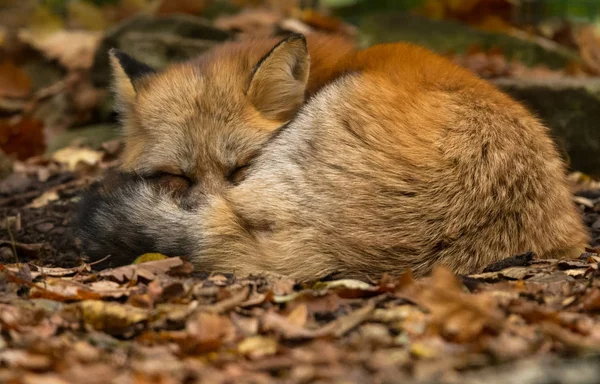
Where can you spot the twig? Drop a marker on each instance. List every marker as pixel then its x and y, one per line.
pixel 13 243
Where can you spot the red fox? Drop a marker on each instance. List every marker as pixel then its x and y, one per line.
pixel 322 160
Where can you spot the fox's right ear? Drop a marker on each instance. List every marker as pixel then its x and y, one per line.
pixel 128 73
pixel 278 82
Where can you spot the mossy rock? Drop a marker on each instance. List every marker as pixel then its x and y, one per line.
pixel 570 107
pixel 157 41
pixel 452 37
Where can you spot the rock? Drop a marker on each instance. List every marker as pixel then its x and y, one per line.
pixel 452 37
pixel 571 108
pixel 157 41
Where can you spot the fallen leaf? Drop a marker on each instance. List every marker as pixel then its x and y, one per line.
pixel 72 156
pixel 110 289
pixel 345 283
pixel 591 301
pixel 282 287
pixel 348 288
pixel 62 290
pixel 208 331
pixel 72 49
pixel 248 326
pixel 22 137
pixel 14 82
pixel 37 271
pixel 148 270
pixel 236 299
pixel 256 347
pixel 274 322
pixel 110 317
pixel 298 316
pixel 460 316
pixel 23 359
pixel 43 199
pixel 149 257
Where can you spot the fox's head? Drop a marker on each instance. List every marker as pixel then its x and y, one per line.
pixel 193 127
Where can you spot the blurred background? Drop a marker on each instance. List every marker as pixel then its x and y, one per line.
pixel 54 68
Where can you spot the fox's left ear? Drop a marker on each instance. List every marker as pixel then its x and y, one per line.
pixel 279 79
pixel 128 74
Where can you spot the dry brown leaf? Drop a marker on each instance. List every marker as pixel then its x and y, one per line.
pixel 23 359
pixel 298 316
pixel 22 137
pixel 272 321
pixel 72 49
pixel 247 326
pixel 149 270
pixel 14 82
pixel 110 289
pixel 460 316
pixel 208 331
pixel 37 271
pixel 591 301
pixel 62 290
pixel 236 299
pixel 43 199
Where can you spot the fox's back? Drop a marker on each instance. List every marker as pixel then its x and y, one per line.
pixel 409 160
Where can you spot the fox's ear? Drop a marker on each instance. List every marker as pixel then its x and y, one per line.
pixel 127 76
pixel 279 79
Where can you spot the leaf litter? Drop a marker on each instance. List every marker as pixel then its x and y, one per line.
pixel 158 320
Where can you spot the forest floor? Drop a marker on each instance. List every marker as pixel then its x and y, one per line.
pixel 523 320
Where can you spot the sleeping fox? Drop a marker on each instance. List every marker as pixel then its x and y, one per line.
pixel 315 159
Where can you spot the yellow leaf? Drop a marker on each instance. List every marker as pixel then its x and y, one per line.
pixel 257 346
pixel 109 316
pixel 423 351
pixel 87 15
pixel 149 257
pixel 42 23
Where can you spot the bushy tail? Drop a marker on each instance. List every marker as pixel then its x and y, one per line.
pixel 124 216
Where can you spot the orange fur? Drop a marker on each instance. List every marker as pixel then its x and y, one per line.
pixel 397 159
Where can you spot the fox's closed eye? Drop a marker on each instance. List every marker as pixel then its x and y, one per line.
pixel 237 174
pixel 170 181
